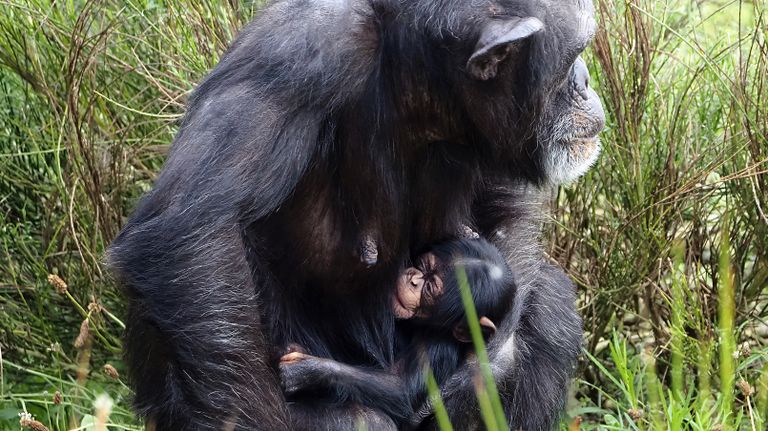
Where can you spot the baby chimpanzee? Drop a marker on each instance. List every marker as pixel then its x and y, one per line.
pixel 431 329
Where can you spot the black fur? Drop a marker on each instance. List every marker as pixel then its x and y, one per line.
pixel 318 388
pixel 490 281
pixel 325 119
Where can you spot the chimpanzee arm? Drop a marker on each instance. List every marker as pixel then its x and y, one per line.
pixel 533 353
pixel 347 384
pixel 197 351
pixel 195 347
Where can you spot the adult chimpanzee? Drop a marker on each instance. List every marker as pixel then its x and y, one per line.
pixel 431 330
pixel 326 118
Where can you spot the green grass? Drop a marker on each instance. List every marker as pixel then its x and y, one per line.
pixel 666 237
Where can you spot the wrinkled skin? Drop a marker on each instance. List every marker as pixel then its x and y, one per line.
pixel 415 289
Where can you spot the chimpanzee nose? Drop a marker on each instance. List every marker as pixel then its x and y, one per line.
pixel 580 78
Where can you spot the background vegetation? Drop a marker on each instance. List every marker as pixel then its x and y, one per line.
pixel 666 237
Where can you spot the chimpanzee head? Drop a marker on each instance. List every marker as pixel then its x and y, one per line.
pixel 522 83
pixel 429 292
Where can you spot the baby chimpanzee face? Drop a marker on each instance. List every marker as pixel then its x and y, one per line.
pixel 430 292
pixel 418 287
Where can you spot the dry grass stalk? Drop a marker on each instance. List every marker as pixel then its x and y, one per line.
pixel 95 307
pixel 83 345
pixel 103 408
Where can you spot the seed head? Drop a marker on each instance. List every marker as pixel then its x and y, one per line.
pixel 110 371
pixel 635 414
pixel 82 337
pixel 27 421
pixel 57 398
pixel 746 350
pixel 746 389
pixel 57 283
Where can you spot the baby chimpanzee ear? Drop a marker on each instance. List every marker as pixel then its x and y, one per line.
pixel 461 331
pixel 487 326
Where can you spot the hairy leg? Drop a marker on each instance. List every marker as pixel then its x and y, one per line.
pixel 197 352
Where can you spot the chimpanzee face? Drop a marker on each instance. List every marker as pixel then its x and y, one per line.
pixel 569 128
pixel 529 51
pixel 418 287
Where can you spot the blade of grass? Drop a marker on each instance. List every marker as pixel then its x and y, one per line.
pixel 482 354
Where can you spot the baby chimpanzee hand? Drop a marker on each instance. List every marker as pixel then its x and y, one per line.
pixel 294 357
pixel 300 371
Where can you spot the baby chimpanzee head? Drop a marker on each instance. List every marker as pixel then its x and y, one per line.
pixel 429 291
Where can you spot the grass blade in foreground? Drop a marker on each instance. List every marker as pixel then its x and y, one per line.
pixel 500 420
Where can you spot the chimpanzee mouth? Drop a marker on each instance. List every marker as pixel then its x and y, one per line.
pixel 588 132
pixel 583 144
pixel 570 159
pixel 583 148
pixel 401 312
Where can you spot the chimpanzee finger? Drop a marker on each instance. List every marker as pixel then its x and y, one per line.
pixel 293 347
pixel 294 357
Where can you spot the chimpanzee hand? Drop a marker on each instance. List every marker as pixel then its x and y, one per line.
pixel 300 371
pixel 420 415
pixel 375 389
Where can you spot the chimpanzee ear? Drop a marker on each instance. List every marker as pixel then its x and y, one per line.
pixel 497 40
pixel 487 326
pixel 461 331
pixel 461 334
